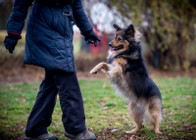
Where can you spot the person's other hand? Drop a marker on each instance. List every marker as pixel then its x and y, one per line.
pixel 91 37
pixel 11 40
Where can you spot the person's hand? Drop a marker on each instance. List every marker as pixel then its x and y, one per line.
pixel 11 40
pixel 91 37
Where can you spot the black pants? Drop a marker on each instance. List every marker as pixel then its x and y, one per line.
pixel 66 85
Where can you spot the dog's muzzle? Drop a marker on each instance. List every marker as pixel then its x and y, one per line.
pixel 116 48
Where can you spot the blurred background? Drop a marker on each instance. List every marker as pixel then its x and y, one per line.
pixel 168 28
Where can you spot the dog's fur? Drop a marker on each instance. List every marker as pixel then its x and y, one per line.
pixel 126 70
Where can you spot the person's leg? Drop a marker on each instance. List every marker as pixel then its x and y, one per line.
pixel 71 102
pixel 41 115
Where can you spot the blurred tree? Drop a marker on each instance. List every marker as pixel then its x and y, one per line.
pixel 168 28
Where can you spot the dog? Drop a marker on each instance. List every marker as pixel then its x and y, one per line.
pixel 127 72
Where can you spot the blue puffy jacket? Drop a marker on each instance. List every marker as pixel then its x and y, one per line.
pixel 49 33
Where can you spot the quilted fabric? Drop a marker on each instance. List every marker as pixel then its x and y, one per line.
pixel 49 33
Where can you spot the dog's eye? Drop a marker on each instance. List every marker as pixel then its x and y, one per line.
pixel 119 39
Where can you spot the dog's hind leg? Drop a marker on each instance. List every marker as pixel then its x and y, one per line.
pixel 155 117
pixel 155 114
pixel 136 113
pixel 101 66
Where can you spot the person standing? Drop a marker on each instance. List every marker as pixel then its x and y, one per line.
pixel 49 44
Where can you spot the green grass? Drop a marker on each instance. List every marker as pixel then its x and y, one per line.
pixel 105 111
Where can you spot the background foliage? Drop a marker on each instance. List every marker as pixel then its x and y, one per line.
pixel 169 29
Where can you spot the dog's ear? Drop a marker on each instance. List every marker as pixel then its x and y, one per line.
pixel 130 31
pixel 116 27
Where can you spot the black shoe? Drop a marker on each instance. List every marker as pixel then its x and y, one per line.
pixel 86 135
pixel 46 136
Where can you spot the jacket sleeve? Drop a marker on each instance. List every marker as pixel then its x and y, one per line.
pixel 17 18
pixel 80 17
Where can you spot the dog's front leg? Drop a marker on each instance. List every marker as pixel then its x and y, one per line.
pixel 101 66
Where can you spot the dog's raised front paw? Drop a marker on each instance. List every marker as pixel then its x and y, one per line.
pixel 93 71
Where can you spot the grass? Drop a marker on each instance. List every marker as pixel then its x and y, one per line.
pixel 106 112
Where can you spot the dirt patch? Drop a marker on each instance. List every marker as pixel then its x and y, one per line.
pixel 13 70
pixel 27 73
pixel 160 73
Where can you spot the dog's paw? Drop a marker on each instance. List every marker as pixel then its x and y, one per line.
pixel 158 132
pixel 93 71
pixel 128 132
pixel 133 131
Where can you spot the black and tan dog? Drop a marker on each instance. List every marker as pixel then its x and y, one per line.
pixel 126 70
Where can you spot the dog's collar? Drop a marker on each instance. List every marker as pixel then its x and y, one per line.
pixel 120 55
pixel 110 60
pixel 126 54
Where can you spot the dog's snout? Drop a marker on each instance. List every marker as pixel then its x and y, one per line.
pixel 110 44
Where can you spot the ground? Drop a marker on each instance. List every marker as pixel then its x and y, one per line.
pixel 106 113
